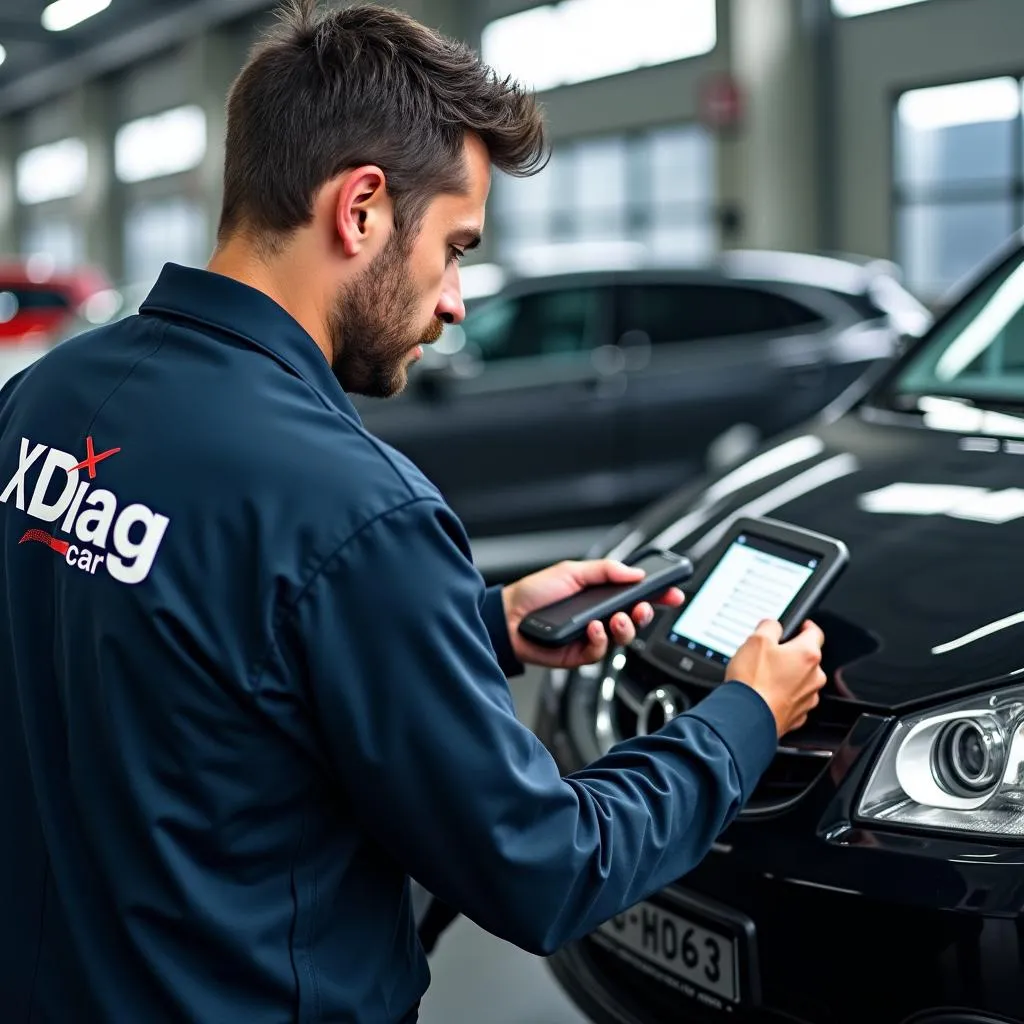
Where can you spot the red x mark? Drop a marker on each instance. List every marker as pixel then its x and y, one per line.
pixel 92 459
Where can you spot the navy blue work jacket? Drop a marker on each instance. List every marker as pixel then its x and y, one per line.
pixel 250 682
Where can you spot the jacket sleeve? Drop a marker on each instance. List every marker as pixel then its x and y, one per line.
pixel 406 687
pixel 492 611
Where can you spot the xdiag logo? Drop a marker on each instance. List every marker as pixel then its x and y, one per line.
pixel 123 540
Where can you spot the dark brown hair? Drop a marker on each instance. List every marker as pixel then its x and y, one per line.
pixel 325 91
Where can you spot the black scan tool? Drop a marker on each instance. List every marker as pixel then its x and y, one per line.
pixel 566 621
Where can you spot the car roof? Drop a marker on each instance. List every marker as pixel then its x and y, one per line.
pixel 80 281
pixel 845 273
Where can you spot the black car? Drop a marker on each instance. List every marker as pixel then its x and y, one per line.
pixel 876 876
pixel 566 403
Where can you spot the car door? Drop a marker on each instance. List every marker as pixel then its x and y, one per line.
pixel 517 432
pixel 711 369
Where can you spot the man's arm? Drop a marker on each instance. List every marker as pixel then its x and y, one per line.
pixel 423 733
pixel 492 611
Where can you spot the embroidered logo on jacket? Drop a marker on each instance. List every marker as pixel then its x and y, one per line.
pixel 101 532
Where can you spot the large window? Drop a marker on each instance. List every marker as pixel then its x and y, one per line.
pixel 653 189
pixel 853 8
pixel 169 230
pixel 58 240
pixel 577 40
pixel 959 180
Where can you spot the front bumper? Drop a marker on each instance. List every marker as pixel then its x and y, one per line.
pixel 849 925
pixel 820 957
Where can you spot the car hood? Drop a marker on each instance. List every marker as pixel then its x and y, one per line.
pixel 932 601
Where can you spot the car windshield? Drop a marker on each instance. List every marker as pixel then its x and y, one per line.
pixel 977 354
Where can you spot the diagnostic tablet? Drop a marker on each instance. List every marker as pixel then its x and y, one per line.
pixel 761 569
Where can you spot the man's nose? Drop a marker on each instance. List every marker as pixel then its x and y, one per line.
pixel 450 307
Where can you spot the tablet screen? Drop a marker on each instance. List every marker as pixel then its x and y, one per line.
pixel 756 579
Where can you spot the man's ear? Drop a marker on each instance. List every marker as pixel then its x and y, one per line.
pixel 364 212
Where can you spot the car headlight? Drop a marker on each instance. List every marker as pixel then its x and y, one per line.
pixel 960 768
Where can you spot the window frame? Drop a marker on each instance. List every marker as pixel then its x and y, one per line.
pixel 603 310
pixel 640 213
pixel 820 320
pixel 954 194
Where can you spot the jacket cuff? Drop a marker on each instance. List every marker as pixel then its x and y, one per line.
pixel 743 721
pixel 493 613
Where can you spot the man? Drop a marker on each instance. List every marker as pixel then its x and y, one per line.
pixel 250 681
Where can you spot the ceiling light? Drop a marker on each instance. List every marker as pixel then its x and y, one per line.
pixel 57 170
pixel 3 54
pixel 165 143
pixel 65 14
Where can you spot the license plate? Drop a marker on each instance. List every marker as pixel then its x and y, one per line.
pixel 675 949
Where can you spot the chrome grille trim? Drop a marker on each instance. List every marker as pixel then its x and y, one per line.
pixel 792 772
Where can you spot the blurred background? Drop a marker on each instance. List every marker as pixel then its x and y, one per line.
pixel 751 206
pixel 750 203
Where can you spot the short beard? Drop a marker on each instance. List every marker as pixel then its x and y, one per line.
pixel 372 326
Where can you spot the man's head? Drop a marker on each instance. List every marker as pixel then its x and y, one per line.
pixel 357 166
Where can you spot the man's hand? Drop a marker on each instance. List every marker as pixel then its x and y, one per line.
pixel 788 676
pixel 563 580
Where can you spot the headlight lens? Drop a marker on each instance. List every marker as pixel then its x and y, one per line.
pixel 961 768
pixel 968 756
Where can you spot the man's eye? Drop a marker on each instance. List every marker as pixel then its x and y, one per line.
pixel 454 254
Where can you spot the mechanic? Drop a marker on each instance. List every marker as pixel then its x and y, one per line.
pixel 250 680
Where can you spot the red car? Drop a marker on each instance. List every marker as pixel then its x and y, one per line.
pixel 40 306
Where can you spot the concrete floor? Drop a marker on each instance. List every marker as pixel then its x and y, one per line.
pixel 476 977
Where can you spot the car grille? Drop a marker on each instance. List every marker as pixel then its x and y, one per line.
pixel 801 758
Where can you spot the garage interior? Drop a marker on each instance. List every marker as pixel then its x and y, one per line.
pixel 890 130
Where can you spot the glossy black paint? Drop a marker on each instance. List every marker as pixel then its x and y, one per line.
pixel 915 581
pixel 854 922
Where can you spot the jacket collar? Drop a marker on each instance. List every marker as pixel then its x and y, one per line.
pixel 213 300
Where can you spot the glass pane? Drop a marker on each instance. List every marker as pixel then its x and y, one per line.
pixel 600 188
pixel 598 41
pixel 939 244
pixel 60 241
pixel 683 243
pixel 681 166
pixel 600 177
pixel 578 40
pixel 488 329
pixel 957 134
pixel 852 8
pixel 536 194
pixel 977 353
pixel 601 226
pixel 556 323
pixel 961 155
pixel 684 312
pixel 543 324
pixel 172 231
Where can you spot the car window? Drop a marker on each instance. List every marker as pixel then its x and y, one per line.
pixel 978 352
pixel 690 312
pixel 17 298
pixel 548 324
